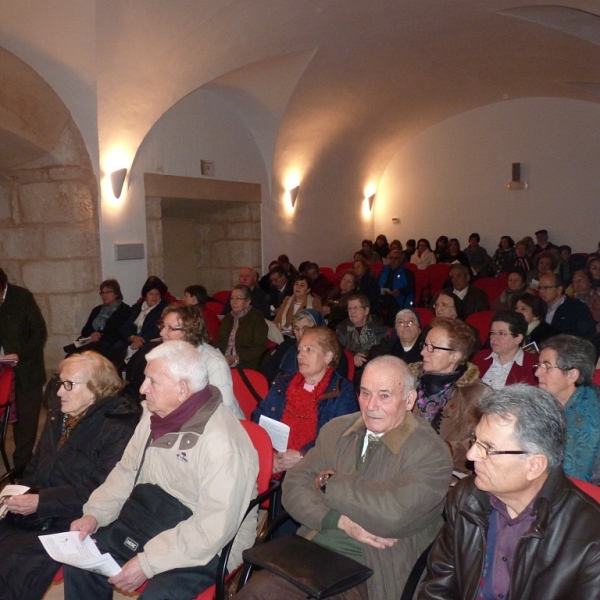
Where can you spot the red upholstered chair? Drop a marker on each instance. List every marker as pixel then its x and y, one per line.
pixel 212 322
pixel 351 367
pixel 330 274
pixel 425 315
pixel 222 296
pixel 377 268
pixel 246 399
pixel 421 282
pixel 216 307
pixel 597 377
pixel 481 321
pixel 410 266
pixel 6 380
pixel 589 488
pixel 492 286
pixel 438 273
pixel 345 266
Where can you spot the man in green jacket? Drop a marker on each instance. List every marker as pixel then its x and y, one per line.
pixel 23 337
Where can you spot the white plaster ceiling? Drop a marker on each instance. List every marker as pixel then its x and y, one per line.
pixel 368 74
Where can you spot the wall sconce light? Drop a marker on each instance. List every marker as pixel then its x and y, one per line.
pixel 117 179
pixel 371 200
pixel 294 195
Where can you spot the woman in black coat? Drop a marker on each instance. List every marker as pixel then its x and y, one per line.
pixel 82 440
pixel 103 327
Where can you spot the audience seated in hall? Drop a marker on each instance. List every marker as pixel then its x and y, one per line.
pixel 260 300
pixel 103 327
pixel 371 255
pixel 506 363
pixel 284 261
pixel 281 286
pixel 320 285
pixel 335 306
pixel 441 249
pixel 381 246
pixel 470 299
pixel 265 281
pixel 565 369
pixel 301 298
pixel 399 285
pixel 503 255
pixel 242 336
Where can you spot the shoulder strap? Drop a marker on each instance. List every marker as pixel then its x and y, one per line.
pixel 250 387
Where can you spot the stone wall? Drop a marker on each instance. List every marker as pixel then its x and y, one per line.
pixel 225 239
pixel 49 241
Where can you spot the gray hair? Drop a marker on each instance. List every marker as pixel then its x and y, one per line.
pixel 183 362
pixel 245 289
pixel 573 352
pixel 540 426
pixel 395 364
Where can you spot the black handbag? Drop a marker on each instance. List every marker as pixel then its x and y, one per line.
pixel 31 522
pixel 318 571
pixel 148 511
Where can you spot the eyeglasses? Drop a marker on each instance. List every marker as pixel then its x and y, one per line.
pixel 237 298
pixel 353 308
pixel 68 385
pixel 501 334
pixel 430 347
pixel 545 366
pixel 405 323
pixel 484 451
pixel 104 292
pixel 168 328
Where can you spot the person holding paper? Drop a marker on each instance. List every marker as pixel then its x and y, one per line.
pixel 82 440
pixel 305 401
pixel 190 456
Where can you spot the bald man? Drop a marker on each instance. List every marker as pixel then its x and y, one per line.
pixel 260 300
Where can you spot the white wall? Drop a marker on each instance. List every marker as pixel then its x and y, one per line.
pixel 451 179
pixel 200 126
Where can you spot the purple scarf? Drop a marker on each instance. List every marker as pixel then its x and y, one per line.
pixel 160 426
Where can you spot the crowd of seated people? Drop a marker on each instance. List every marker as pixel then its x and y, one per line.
pixel 544 333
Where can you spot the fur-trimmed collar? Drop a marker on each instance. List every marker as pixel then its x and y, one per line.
pixel 470 376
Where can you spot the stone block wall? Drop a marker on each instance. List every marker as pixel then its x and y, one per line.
pixel 49 237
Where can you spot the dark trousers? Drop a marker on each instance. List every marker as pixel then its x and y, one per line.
pixel 29 402
pixel 177 584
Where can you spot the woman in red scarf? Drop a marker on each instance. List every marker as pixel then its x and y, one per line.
pixel 310 398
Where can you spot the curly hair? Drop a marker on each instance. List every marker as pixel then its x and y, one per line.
pixel 192 323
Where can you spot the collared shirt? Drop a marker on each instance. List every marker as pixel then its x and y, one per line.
pixel 552 309
pixel 497 374
pixel 508 533
pixel 369 437
pixel 462 293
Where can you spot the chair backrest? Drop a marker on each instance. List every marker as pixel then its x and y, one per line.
pixel 377 268
pixel 350 358
pixel 425 315
pixel 262 442
pixel 222 296
pixel 410 266
pixel 330 274
pixel 243 395
pixel 481 321
pixel 589 488
pixel 597 377
pixel 492 286
pixel 212 322
pixel 216 307
pixel 438 273
pixel 345 266
pixel 6 379
pixel 421 282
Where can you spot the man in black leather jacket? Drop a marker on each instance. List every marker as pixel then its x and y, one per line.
pixel 518 529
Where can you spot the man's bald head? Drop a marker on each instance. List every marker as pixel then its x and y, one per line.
pixel 247 276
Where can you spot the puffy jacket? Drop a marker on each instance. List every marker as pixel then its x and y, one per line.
pixel 339 399
pixel 557 559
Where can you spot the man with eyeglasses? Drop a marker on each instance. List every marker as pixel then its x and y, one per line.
pixel 518 529
pixel 566 369
pixel 566 314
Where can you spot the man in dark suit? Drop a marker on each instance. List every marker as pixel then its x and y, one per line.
pixel 260 300
pixel 566 314
pixel 281 286
pixel 469 299
pixel 22 337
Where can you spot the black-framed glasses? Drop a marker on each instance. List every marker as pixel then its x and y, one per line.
pixel 501 334
pixel 430 347
pixel 545 366
pixel 68 385
pixel 484 451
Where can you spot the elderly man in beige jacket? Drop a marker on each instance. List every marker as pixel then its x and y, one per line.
pixel 193 448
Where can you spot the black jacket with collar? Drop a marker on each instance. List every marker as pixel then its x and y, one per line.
pixel 557 559
pixel 574 318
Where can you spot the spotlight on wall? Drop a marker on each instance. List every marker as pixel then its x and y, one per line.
pixel 117 179
pixel 371 200
pixel 294 195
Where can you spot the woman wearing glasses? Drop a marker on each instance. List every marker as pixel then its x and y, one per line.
pixel 506 363
pixel 84 437
pixel 448 385
pixel 406 343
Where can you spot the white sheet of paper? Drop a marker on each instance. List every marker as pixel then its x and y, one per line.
pixel 278 432
pixel 10 490
pixel 67 548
